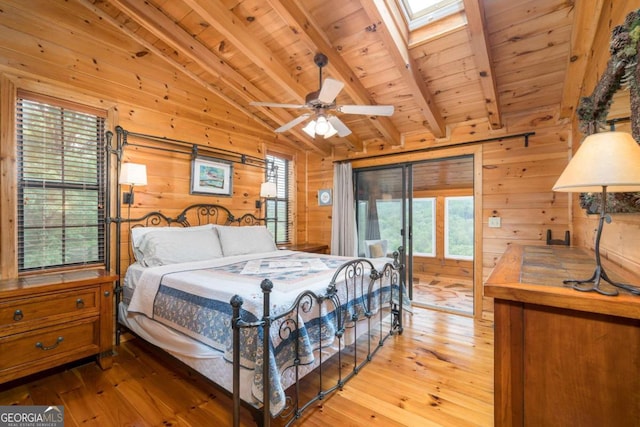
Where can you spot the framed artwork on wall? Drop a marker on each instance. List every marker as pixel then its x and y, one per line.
pixel 211 176
pixel 324 197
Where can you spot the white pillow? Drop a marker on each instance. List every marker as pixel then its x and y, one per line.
pixel 161 247
pixel 138 232
pixel 375 248
pixel 251 239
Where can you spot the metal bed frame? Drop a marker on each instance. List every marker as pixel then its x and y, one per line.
pixel 355 277
pixel 352 276
pixel 349 279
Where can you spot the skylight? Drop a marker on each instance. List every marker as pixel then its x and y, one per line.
pixel 422 12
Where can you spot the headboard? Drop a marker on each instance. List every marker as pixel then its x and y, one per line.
pixel 194 215
pixel 191 216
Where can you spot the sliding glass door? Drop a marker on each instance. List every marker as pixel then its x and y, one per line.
pixel 443 237
pixel 380 211
pixel 426 207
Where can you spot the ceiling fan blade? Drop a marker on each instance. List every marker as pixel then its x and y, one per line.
pixel 338 125
pixel 330 89
pixel 285 127
pixel 275 104
pixel 369 110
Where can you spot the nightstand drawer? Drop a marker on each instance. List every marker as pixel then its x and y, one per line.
pixel 21 312
pixel 61 342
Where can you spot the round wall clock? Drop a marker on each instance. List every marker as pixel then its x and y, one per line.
pixel 324 197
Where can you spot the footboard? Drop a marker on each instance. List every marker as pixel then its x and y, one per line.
pixel 313 347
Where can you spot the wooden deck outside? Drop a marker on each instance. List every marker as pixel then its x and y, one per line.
pixel 438 373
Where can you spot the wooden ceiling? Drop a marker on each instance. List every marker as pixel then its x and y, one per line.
pixel 497 58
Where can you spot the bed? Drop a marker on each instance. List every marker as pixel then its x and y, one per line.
pixel 215 292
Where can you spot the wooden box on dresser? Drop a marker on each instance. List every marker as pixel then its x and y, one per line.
pixel 52 319
pixel 563 357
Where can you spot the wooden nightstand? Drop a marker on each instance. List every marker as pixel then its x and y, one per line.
pixel 317 248
pixel 49 320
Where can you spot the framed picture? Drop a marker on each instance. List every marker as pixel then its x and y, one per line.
pixel 211 176
pixel 324 197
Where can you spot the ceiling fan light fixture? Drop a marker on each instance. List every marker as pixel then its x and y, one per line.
pixel 332 131
pixel 310 129
pixel 322 125
pixel 320 103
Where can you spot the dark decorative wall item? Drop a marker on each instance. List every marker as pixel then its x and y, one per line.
pixel 622 70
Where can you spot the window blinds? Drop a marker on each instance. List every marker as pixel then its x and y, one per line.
pixel 279 213
pixel 61 184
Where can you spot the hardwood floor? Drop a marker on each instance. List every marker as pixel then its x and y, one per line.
pixel 438 373
pixel 453 294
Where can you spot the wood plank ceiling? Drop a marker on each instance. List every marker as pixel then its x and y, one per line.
pixel 497 58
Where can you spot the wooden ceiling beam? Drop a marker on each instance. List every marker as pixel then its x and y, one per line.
pixel 158 24
pixel 227 24
pixel 586 16
pixel 480 45
pixel 104 17
pixel 392 38
pixel 305 28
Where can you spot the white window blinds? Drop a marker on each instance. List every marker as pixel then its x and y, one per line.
pixel 279 213
pixel 61 184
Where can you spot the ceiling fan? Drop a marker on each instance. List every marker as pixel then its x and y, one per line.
pixel 321 104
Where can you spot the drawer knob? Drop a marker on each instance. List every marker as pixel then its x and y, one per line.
pixel 51 347
pixel 18 315
pixel 79 303
pixel 107 293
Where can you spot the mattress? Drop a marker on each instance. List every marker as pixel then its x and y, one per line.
pixel 290 272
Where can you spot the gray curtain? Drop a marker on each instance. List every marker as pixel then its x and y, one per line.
pixel 343 224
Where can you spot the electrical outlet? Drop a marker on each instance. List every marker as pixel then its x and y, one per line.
pixel 494 222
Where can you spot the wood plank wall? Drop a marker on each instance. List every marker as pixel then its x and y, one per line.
pixel 74 55
pixel 619 238
pixel 439 265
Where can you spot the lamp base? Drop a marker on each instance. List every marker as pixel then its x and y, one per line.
pixel 598 275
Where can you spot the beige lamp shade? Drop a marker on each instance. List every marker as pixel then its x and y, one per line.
pixel 268 189
pixel 607 159
pixel 133 174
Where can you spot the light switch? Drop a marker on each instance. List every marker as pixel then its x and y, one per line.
pixel 494 222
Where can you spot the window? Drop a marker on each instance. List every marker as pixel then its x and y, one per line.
pixel 458 227
pixel 389 217
pixel 388 221
pixel 61 187
pixel 419 13
pixel 424 226
pixel 279 209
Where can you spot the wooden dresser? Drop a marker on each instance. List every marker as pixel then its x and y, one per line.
pixel 563 357
pixel 48 320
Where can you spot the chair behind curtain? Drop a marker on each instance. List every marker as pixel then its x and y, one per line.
pixel 343 224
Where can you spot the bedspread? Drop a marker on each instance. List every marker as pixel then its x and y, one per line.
pixel 193 298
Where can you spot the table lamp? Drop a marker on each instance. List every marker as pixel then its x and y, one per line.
pixel 605 162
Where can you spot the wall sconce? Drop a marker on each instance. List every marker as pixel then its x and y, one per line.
pixel 267 190
pixel 132 174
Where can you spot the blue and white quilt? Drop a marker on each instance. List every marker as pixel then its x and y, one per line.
pixel 194 298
